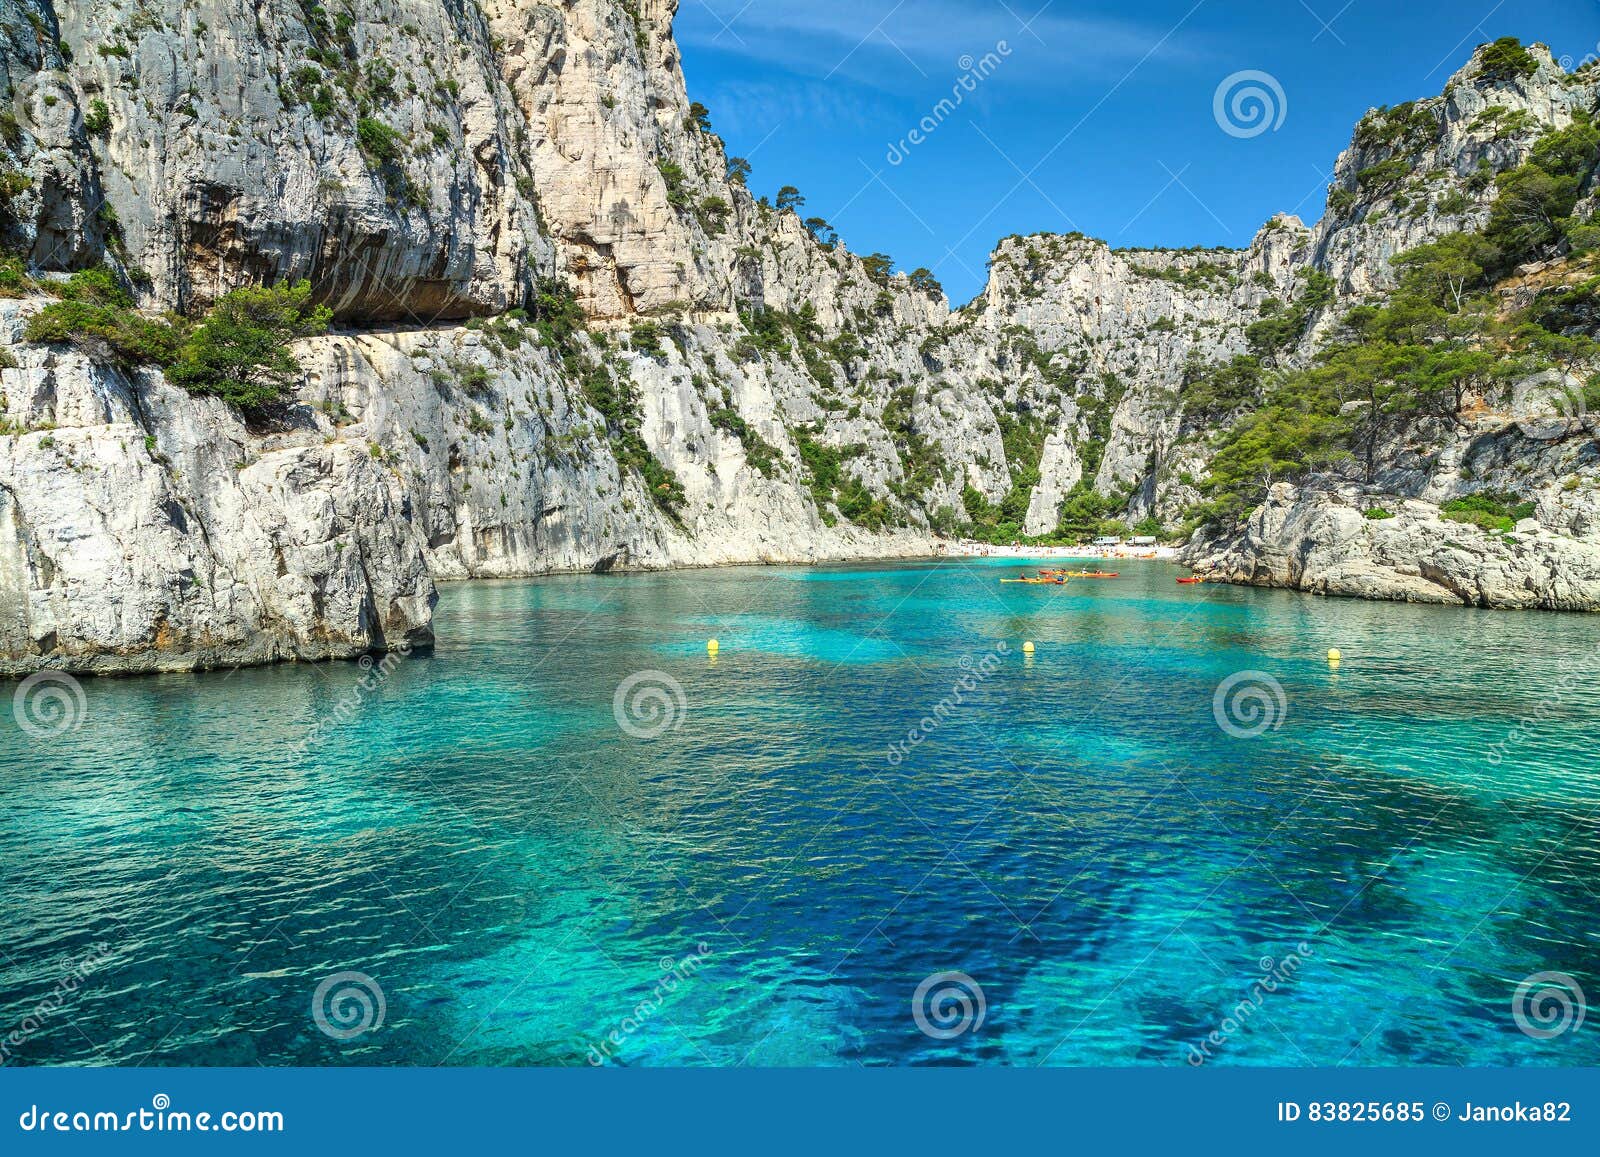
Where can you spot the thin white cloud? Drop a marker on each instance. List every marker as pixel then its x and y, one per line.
pixel 877 42
pixel 752 108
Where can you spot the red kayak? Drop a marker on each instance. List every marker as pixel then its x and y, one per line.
pixel 1191 580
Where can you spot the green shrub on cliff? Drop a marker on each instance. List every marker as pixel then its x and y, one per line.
pixel 829 482
pixel 241 352
pixel 97 314
pixel 762 455
pixel 1507 60
pixel 1215 391
pixel 97 121
pixel 1281 328
pixel 557 315
pixel 614 397
pixel 1536 199
pixel 381 144
pixel 1488 510
pixel 14 278
pixel 677 183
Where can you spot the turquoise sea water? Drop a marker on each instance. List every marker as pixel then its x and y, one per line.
pixel 763 882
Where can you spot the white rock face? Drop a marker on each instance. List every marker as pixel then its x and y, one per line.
pixel 1478 121
pixel 427 166
pixel 240 147
pixel 141 529
pixel 1324 543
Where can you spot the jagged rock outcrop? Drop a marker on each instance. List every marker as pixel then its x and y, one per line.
pixel 1481 124
pixel 51 195
pixel 433 168
pixel 1118 329
pixel 1394 541
pixel 141 529
pixel 1327 542
pixel 372 149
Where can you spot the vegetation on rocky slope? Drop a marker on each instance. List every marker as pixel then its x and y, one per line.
pixel 1439 340
pixel 870 447
pixel 240 351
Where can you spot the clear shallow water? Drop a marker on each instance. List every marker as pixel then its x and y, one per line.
pixel 479 836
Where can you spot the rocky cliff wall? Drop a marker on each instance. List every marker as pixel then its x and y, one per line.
pixel 428 166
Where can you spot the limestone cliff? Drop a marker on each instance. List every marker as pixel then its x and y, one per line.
pixel 437 171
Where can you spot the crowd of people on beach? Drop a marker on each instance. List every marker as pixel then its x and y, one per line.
pixel 967 548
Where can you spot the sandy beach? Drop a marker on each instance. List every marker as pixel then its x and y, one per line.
pixel 969 549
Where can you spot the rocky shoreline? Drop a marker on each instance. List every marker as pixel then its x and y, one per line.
pixel 1325 543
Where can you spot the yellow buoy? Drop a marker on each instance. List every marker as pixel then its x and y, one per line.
pixel 711 647
pixel 1334 655
pixel 1027 648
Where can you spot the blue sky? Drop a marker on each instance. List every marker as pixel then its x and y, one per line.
pixel 1094 116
